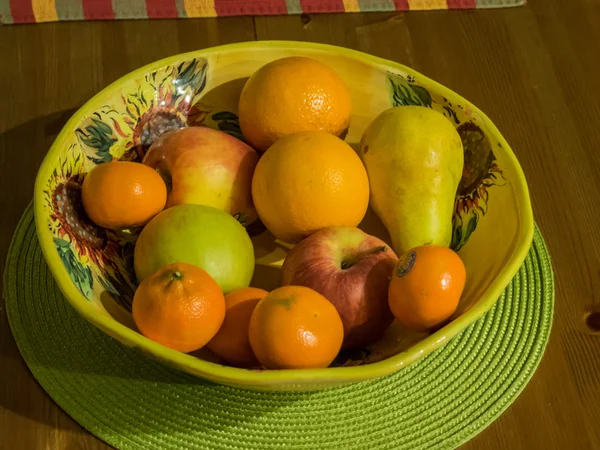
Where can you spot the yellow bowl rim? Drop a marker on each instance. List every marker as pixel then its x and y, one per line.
pixel 252 378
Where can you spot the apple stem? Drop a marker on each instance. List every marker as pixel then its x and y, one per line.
pixel 346 264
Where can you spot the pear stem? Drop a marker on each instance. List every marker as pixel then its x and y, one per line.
pixel 346 264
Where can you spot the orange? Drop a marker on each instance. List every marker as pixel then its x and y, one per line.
pixel 293 94
pixel 426 287
pixel 123 194
pixel 307 181
pixel 180 306
pixel 231 341
pixel 295 327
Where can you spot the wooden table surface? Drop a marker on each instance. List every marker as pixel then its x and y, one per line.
pixel 534 70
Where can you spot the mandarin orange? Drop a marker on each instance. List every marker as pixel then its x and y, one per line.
pixel 123 194
pixel 180 306
pixel 426 286
pixel 231 341
pixel 295 327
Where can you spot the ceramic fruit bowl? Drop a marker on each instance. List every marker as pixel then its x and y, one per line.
pixel 493 224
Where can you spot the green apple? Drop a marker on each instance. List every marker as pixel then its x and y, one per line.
pixel 201 235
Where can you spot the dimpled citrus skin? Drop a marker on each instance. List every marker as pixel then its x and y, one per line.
pixel 307 181
pixel 231 341
pixel 290 95
pixel 180 306
pixel 426 286
pixel 122 194
pixel 295 327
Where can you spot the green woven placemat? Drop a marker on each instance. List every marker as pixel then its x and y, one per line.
pixel 134 402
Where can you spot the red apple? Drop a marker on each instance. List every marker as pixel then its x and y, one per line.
pixel 206 167
pixel 352 270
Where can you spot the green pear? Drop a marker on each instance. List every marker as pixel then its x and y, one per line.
pixel 414 158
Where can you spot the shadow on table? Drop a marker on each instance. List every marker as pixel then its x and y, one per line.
pixel 22 149
pixel 20 393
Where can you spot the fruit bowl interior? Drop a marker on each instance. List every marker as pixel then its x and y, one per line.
pixel 492 225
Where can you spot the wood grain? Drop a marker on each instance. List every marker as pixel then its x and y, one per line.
pixel 533 70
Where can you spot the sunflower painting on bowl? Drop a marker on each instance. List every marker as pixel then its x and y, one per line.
pixel 163 100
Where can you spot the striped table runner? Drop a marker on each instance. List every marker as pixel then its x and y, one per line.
pixel 24 11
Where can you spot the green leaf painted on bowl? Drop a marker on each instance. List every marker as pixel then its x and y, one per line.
pixel 190 77
pixel 100 137
pixel 80 275
pixel 120 288
pixel 403 93
pixel 423 94
pixel 229 123
pixel 225 115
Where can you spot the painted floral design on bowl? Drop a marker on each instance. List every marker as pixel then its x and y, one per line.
pixel 167 99
pixel 202 89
